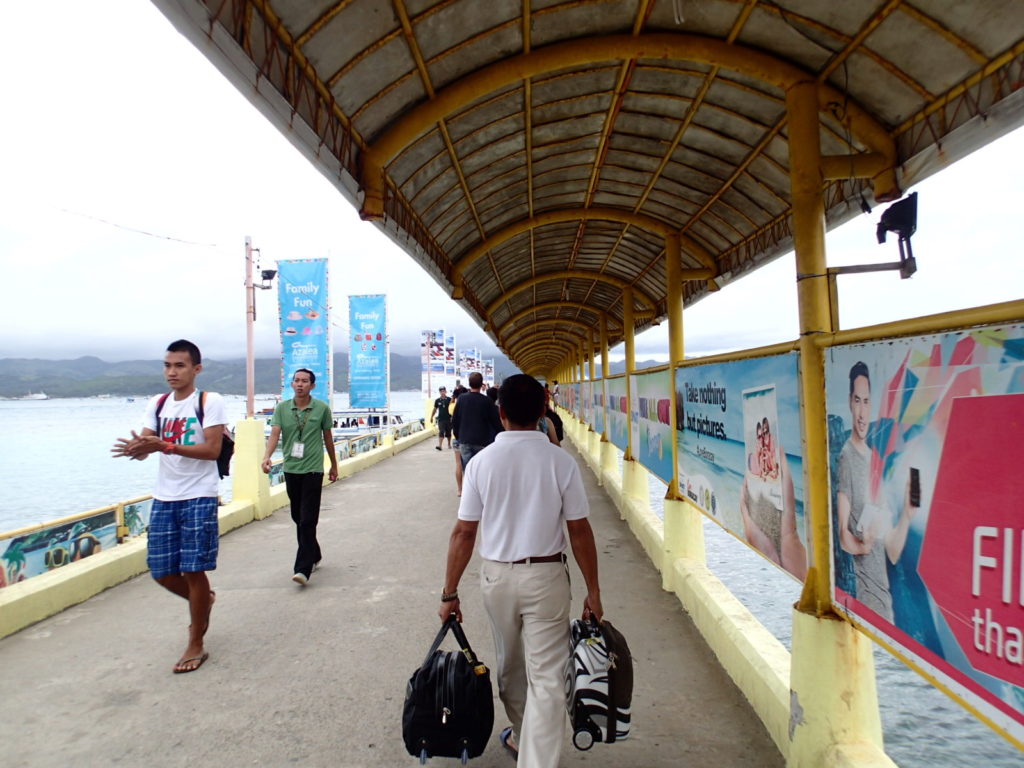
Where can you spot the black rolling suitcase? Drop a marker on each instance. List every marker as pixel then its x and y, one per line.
pixel 449 708
pixel 598 684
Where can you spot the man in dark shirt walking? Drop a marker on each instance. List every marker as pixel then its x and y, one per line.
pixel 442 412
pixel 476 420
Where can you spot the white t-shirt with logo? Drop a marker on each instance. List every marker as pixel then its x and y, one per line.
pixel 180 477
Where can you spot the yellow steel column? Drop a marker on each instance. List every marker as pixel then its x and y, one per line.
pixel 609 453
pixel 834 706
pixel 629 342
pixel 634 475
pixel 684 525
pixel 593 438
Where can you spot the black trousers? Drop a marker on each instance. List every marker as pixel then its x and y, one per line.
pixel 304 494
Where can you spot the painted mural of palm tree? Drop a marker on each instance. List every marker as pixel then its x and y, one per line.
pixel 14 561
pixel 133 520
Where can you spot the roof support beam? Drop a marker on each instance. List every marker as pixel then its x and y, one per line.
pixel 547 305
pixel 580 274
pixel 639 220
pixel 554 323
pixel 578 52
pixel 569 349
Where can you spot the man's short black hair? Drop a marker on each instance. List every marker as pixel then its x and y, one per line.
pixel 522 399
pixel 312 376
pixel 859 369
pixel 184 345
pixel 492 392
pixel 476 380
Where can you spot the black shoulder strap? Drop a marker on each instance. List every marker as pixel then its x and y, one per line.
pixel 201 407
pixel 160 407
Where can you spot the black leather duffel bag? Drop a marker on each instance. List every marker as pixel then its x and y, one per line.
pixel 449 708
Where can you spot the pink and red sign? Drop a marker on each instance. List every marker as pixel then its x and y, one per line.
pixel 926 444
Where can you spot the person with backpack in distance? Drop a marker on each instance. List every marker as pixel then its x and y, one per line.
pixel 186 427
pixel 306 425
pixel 519 493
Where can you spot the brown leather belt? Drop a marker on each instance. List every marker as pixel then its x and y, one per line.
pixel 559 558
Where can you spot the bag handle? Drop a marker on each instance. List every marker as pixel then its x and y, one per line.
pixel 452 624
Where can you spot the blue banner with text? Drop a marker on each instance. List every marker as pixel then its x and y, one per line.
pixel 367 360
pixel 304 307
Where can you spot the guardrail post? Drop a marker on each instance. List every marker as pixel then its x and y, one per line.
pixel 248 481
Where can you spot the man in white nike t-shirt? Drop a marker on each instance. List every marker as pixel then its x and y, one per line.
pixel 185 427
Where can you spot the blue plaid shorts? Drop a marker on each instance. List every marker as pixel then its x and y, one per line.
pixel 183 536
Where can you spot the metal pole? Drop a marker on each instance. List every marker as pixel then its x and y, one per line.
pixel 674 309
pixel 815 320
pixel 250 319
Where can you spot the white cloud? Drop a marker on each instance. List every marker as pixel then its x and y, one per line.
pixel 141 131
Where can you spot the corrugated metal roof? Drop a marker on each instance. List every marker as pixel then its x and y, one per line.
pixel 533 153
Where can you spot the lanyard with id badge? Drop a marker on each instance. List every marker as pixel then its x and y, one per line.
pixel 299 447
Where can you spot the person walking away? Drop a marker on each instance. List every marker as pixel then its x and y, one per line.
pixel 519 494
pixel 442 406
pixel 186 428
pixel 455 442
pixel 476 421
pixel 553 417
pixel 305 423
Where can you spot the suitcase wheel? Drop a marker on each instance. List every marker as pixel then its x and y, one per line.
pixel 583 740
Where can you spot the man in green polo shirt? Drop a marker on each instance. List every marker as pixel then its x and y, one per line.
pixel 306 426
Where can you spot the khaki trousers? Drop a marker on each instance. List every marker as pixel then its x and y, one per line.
pixel 528 605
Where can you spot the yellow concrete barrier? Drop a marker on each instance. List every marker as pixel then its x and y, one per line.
pixel 35 599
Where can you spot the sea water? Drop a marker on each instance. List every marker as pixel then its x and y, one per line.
pixel 57 462
pixel 56 458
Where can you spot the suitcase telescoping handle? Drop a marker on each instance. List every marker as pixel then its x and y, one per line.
pixel 452 625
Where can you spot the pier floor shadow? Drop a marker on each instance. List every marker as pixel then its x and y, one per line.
pixel 316 676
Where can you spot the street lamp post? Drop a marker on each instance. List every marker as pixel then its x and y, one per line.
pixel 266 276
pixel 250 320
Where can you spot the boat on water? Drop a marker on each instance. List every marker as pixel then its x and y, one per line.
pixel 35 396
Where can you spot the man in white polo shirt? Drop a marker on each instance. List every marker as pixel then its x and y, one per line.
pixel 519 493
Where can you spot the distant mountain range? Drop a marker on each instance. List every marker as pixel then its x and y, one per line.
pixel 90 376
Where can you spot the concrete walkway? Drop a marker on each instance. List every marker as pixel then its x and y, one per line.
pixel 316 676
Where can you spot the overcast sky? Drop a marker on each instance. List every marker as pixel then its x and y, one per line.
pixel 131 172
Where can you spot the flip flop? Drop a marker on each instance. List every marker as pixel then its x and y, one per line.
pixel 200 659
pixel 503 737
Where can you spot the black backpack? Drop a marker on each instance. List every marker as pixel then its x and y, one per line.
pixel 227 445
pixel 449 709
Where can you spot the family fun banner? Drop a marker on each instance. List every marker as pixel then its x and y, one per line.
pixel 449 357
pixel 654 446
pixel 433 364
pixel 368 351
pixel 740 454
pixel 304 309
pixel 926 446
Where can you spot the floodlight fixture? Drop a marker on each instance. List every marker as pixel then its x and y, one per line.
pixel 901 218
pixel 267 276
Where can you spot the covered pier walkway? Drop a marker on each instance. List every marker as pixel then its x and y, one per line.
pixel 316 676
